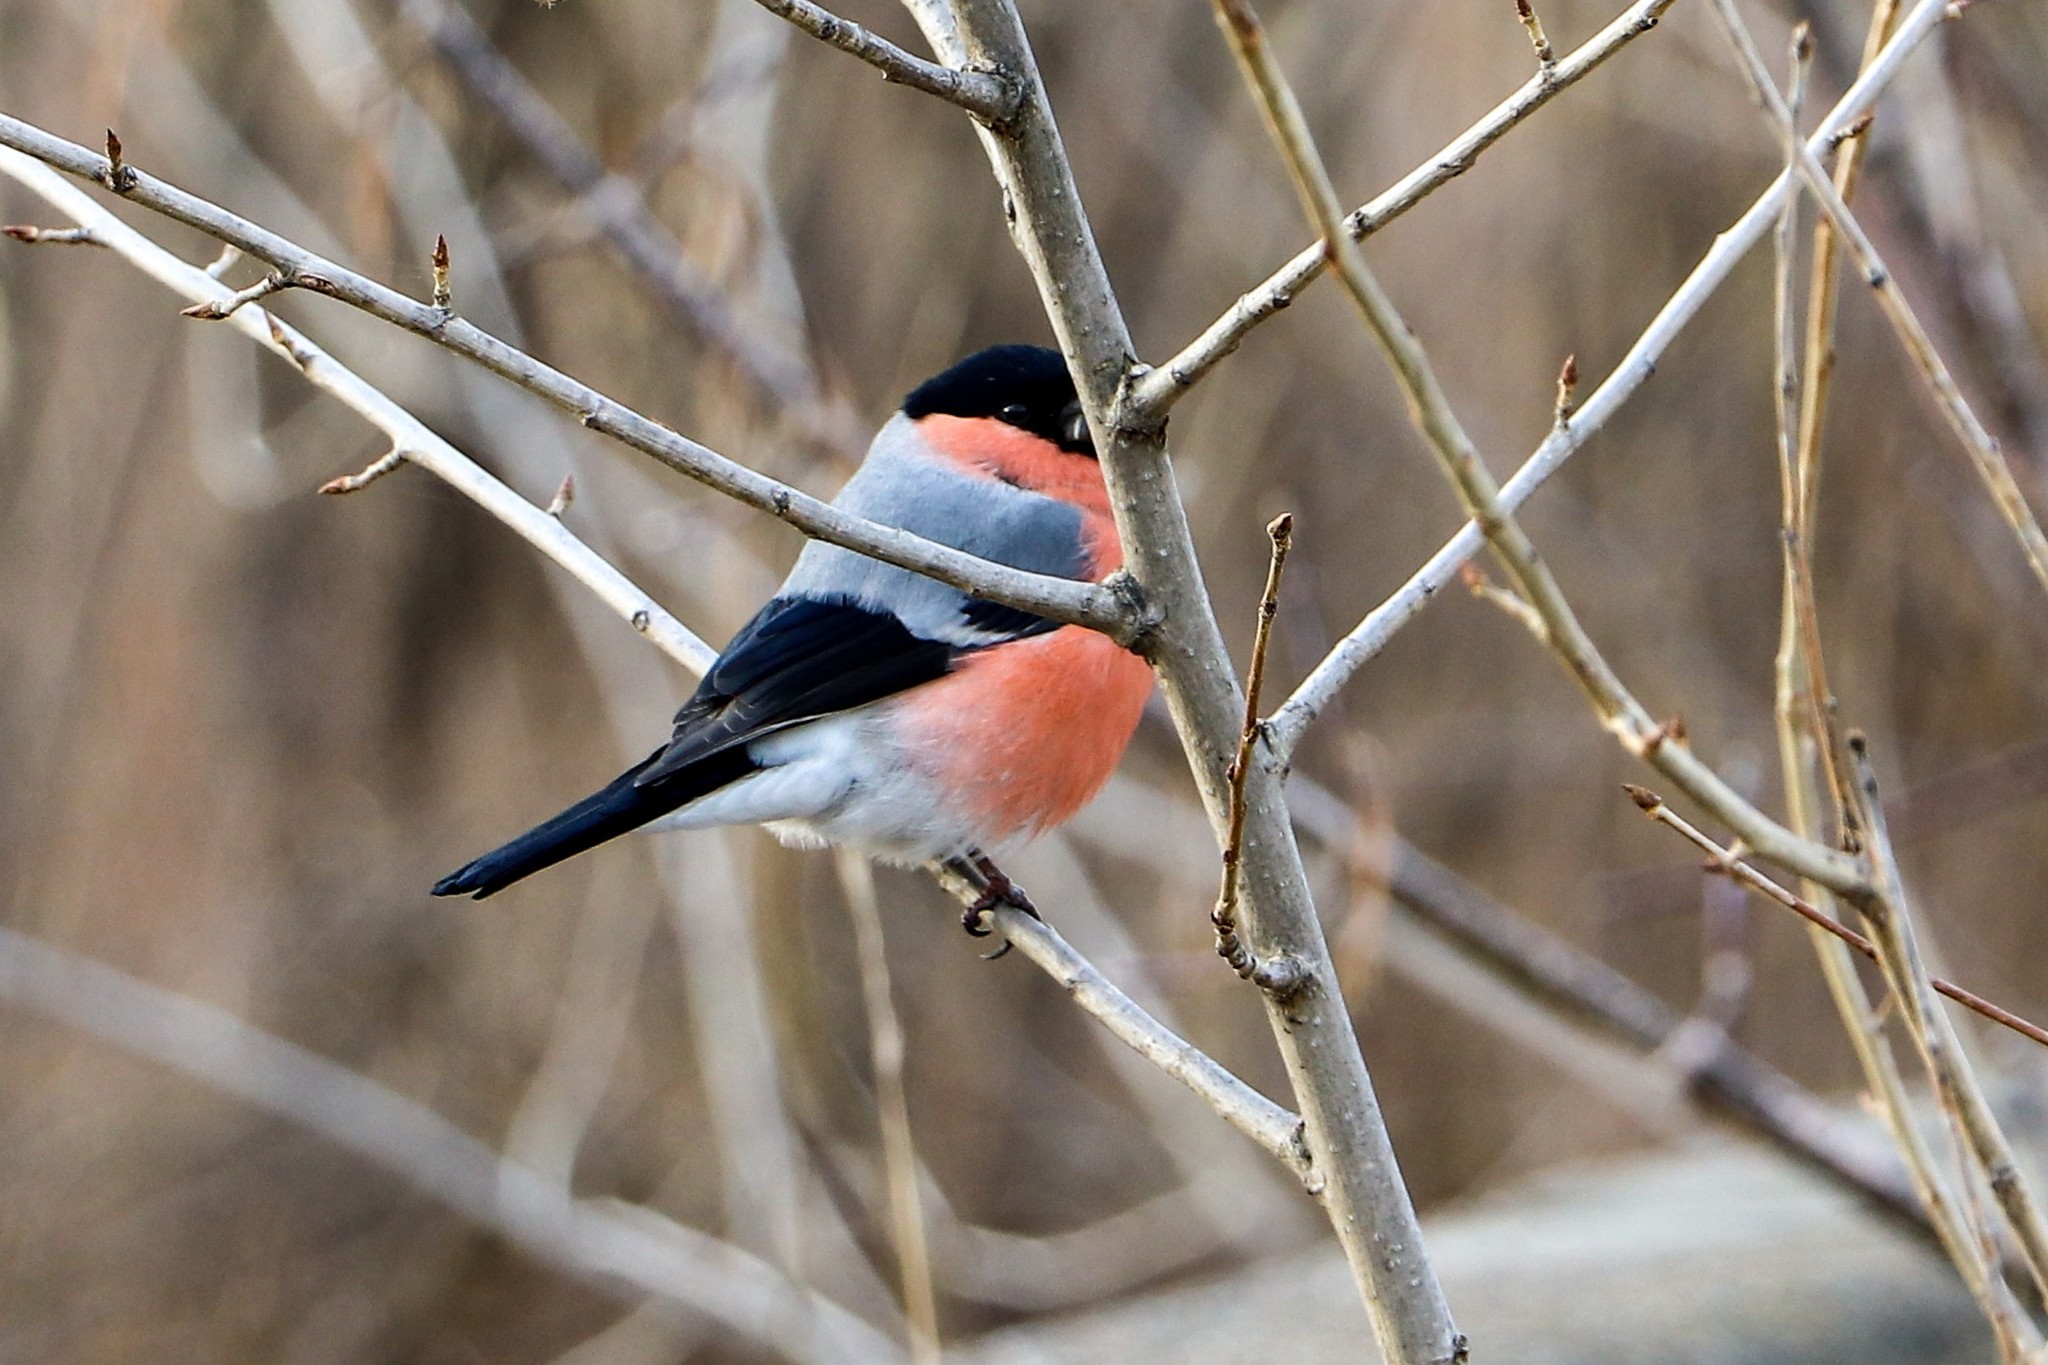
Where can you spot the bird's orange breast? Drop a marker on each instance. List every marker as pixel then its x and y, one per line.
pixel 1023 735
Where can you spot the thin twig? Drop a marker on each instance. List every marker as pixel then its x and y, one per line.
pixel 1229 946
pixel 406 432
pixel 217 310
pixel 1726 862
pixel 1546 56
pixel 899 1151
pixel 42 236
pixel 1371 635
pixel 984 94
pixel 1977 441
pixel 1886 911
pixel 376 469
pixel 1430 410
pixel 1159 389
pixel 1094 605
pixel 1362 1192
pixel 1808 741
pixel 1244 1108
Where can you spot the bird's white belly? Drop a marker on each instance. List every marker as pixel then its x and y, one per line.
pixel 841 780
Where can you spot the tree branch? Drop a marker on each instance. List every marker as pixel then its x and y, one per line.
pixel 1094 605
pixel 985 94
pixel 1977 442
pixel 1359 1179
pixel 411 438
pixel 1156 390
pixel 1372 633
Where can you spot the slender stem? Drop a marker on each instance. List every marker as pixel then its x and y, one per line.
pixel 1090 604
pixel 1157 390
pixel 1886 911
pixel 414 439
pixel 1977 441
pixel 1228 945
pixel 1379 626
pixel 1356 1174
pixel 1245 1109
pixel 983 94
pixel 1726 862
pixel 1430 410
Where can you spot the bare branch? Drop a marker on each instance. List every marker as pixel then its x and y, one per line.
pixel 42 236
pixel 1977 441
pixel 984 94
pixel 1886 911
pixel 1159 389
pixel 1362 1191
pixel 1379 626
pixel 1090 604
pixel 1430 409
pixel 1244 1108
pixel 216 310
pixel 377 469
pixel 407 433
pixel 1726 862
pixel 1228 945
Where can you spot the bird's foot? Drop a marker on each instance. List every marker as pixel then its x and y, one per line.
pixel 997 891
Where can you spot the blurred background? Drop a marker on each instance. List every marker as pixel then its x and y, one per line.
pixel 243 728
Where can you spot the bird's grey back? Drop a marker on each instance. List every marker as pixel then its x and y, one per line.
pixel 900 484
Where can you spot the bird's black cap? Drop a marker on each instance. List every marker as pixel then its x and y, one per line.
pixel 1025 386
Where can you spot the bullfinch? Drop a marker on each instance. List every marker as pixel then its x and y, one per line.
pixel 870 706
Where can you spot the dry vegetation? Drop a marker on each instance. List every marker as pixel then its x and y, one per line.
pixel 243 727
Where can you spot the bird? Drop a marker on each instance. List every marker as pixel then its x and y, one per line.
pixel 869 706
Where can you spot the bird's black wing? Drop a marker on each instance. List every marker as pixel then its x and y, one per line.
pixel 802 658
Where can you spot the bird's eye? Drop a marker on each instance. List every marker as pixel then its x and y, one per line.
pixel 1016 412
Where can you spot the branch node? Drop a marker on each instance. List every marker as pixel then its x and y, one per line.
pixel 215 310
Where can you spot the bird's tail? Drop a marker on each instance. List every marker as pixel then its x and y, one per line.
pixel 619 808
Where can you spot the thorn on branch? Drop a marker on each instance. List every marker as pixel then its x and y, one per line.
pixel 350 483
pixel 1546 56
pixel 215 310
pixel 120 175
pixel 444 296
pixel 1567 390
pixel 42 236
pixel 564 495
